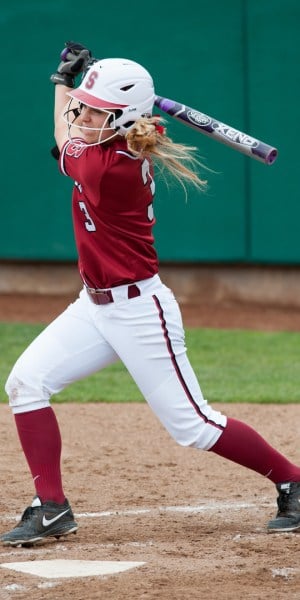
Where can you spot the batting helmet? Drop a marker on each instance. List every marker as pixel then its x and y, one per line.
pixel 120 85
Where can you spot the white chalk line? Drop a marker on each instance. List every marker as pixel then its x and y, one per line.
pixel 210 507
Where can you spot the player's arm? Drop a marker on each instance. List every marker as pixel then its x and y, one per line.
pixel 74 60
pixel 60 126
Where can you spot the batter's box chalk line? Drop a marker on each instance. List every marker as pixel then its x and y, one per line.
pixel 285 572
pixel 210 507
pixel 60 568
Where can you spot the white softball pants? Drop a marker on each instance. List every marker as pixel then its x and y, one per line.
pixel 146 334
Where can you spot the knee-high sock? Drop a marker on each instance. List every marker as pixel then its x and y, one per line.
pixel 41 442
pixel 243 445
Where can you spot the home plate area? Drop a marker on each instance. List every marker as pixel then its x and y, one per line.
pixel 56 569
pixel 156 522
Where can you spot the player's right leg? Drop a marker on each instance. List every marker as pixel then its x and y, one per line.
pixel 69 349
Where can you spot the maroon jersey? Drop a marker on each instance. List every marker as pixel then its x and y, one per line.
pixel 112 213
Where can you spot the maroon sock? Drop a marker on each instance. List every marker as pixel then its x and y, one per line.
pixel 243 445
pixel 41 442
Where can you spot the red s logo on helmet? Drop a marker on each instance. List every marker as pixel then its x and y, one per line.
pixel 91 80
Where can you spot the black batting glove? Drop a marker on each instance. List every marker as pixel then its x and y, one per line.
pixel 55 152
pixel 74 60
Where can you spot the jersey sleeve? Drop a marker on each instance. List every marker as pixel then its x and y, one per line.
pixel 71 150
pixel 77 160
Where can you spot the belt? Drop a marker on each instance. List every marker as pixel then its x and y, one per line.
pixel 105 297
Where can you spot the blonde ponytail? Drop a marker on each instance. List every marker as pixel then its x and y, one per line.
pixel 147 138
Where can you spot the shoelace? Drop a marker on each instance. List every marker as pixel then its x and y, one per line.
pixel 288 502
pixel 26 515
pixel 283 501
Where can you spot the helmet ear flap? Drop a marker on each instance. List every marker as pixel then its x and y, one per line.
pixel 114 117
pixel 125 119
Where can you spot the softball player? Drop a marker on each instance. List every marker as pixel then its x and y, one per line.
pixel 107 137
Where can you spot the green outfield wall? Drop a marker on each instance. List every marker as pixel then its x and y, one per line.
pixel 236 60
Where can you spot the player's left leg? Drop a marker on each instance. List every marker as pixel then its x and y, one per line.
pixel 243 445
pixel 147 333
pixel 149 338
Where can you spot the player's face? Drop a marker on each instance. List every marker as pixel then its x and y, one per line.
pixel 92 122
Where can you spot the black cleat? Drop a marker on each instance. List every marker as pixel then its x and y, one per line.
pixel 288 515
pixel 40 521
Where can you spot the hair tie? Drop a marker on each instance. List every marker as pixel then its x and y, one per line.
pixel 159 128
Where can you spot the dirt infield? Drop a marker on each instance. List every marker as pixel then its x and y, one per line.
pixel 40 308
pixel 196 521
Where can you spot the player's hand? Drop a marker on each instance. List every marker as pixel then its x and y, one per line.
pixel 74 60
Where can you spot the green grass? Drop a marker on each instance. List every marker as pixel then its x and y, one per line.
pixel 231 365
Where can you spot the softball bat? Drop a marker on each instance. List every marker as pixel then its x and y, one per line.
pixel 242 142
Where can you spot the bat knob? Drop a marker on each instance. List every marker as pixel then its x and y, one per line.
pixel 64 54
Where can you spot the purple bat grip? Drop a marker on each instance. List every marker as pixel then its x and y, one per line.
pixel 165 104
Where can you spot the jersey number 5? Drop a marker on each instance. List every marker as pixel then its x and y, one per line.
pixel 148 179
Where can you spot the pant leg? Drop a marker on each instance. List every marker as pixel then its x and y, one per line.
pixel 147 334
pixel 69 349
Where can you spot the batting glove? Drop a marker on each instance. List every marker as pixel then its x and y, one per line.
pixel 75 59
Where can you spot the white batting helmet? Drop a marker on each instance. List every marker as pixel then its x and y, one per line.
pixel 120 85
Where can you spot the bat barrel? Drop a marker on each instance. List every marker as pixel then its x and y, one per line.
pixel 225 134
pixel 270 154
